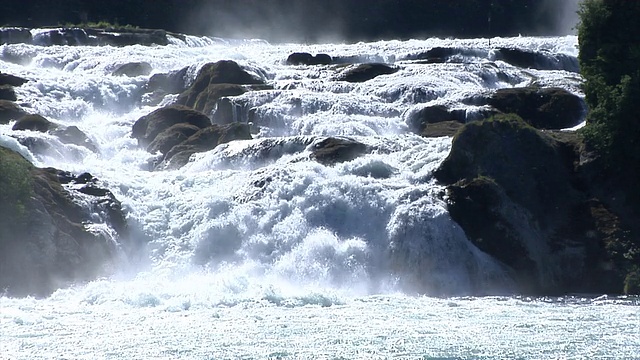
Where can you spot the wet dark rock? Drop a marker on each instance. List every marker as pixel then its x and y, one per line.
pixel 74 36
pixel 303 58
pixel 149 126
pixel 520 197
pixel 10 111
pixel 7 79
pixel 366 72
pixel 209 97
pixel 336 150
pixel 73 135
pixel 542 108
pixel 439 129
pixel 171 137
pixel 173 82
pixel 33 122
pixel 216 80
pixel 7 93
pixel 419 120
pixel 15 35
pixel 133 69
pixel 44 242
pixel 540 60
pixel 204 140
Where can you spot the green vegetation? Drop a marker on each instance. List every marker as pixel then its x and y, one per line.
pixel 100 25
pixel 610 63
pixel 15 190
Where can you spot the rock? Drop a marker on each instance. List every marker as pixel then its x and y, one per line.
pixel 516 194
pixel 33 122
pixel 543 108
pixel 73 135
pixel 443 128
pixel 7 79
pixel 365 72
pixel 171 137
pixel 44 243
pixel 15 35
pixel 418 119
pixel 335 150
pixel 149 126
pixel 7 93
pixel 133 69
pixel 204 140
pixel 540 60
pixel 199 95
pixel 10 111
pixel 304 58
pixel 208 98
pixel 173 82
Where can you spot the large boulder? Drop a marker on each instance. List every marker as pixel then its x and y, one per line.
pixel 303 58
pixel 173 82
pixel 516 194
pixel 206 89
pixel 204 140
pixel 7 93
pixel 543 108
pixel 419 118
pixel 45 242
pixel 12 80
pixel 334 150
pixel 540 60
pixel 33 122
pixel 208 99
pixel 73 135
pixel 10 111
pixel 149 126
pixel 133 69
pixel 171 137
pixel 366 72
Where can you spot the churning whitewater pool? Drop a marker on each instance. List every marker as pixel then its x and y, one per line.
pixel 305 264
pixel 96 323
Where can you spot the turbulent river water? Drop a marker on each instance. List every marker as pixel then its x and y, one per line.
pixel 300 266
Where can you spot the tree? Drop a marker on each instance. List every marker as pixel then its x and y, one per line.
pixel 610 63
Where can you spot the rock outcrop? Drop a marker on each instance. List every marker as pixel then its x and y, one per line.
pixel 334 150
pixel 521 197
pixel 214 81
pixel 149 126
pixel 542 108
pixel 46 240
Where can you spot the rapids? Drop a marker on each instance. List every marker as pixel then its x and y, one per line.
pixel 253 250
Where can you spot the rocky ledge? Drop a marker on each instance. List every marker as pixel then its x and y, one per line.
pixel 48 240
pixel 533 201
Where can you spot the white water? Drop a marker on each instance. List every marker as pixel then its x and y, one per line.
pixel 316 261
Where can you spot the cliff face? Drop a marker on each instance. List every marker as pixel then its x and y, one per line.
pixel 303 20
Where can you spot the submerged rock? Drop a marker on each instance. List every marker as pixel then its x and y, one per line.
pixel 540 60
